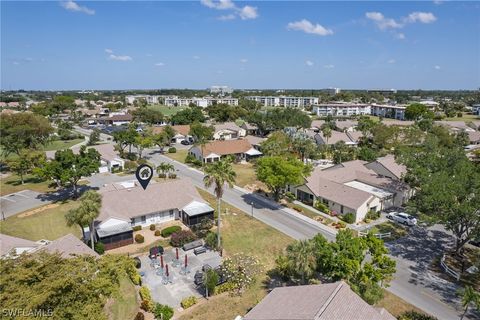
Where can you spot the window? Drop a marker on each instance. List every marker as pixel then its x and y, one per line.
pixel 143 219
pixel 171 213
pixel 341 209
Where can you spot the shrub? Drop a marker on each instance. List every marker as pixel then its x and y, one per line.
pixel 147 302
pixel 211 240
pixel 139 316
pixel 414 315
pixel 157 233
pixel 167 232
pixel 203 228
pixel 192 160
pixel 211 281
pixel 152 227
pixel 163 312
pixel 162 175
pixel 372 215
pixel 172 150
pixel 348 217
pixel 137 279
pixel 320 206
pixel 289 196
pixel 225 287
pixel 188 302
pixel 139 238
pixel 342 224
pixel 172 176
pixel 99 247
pixel 137 228
pixel 181 237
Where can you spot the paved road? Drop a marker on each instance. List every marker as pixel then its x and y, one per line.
pixel 412 281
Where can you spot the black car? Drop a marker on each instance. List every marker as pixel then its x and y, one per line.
pixel 185 142
pixel 138 263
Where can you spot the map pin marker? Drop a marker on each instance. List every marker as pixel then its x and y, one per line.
pixel 144 174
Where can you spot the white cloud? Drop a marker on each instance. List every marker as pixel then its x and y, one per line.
pixel 219 5
pixel 196 57
pixel 72 6
pixel 119 58
pixel 226 17
pixel 437 2
pixel 159 64
pixel 16 63
pixel 28 59
pixel 248 12
pixel 109 51
pixel 309 63
pixel 219 71
pixel 400 36
pixel 391 61
pixel 329 66
pixel 308 27
pixel 422 17
pixel 243 60
pixel 437 67
pixel 382 22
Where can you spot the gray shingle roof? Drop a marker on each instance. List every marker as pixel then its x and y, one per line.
pixel 315 302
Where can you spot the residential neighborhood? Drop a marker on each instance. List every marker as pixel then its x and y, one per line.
pixel 175 160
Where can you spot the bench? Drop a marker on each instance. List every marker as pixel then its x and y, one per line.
pixel 199 250
pixel 193 245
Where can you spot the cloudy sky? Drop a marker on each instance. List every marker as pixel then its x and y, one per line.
pixel 196 44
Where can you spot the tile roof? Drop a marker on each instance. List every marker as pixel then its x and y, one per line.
pixel 315 302
pixel 336 137
pixel 68 246
pixel 227 126
pixel 391 165
pixel 254 140
pixel 345 124
pixel 181 129
pixel 8 243
pixel 474 136
pixel 226 147
pixel 128 203
pixel 119 117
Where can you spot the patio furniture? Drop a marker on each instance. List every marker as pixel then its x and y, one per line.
pixel 199 250
pixel 193 245
pixel 206 267
pixel 155 251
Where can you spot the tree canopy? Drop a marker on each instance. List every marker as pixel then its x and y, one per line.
pixel 188 116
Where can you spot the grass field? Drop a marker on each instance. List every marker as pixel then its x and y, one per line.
pixel 465 117
pixel 48 224
pixel 241 233
pixel 395 305
pixel 13 184
pixel 180 155
pixel 61 144
pixel 246 175
pixel 167 111
pixel 396 229
pixel 125 305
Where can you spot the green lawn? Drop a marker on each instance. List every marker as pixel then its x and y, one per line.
pixel 47 224
pixel 465 117
pixel 241 233
pixel 125 305
pixel 180 155
pixel 396 229
pixel 246 175
pixel 167 111
pixel 61 144
pixel 13 184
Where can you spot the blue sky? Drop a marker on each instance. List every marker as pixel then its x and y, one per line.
pixel 196 44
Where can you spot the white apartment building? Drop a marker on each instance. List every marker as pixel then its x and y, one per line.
pixel 199 102
pixel 341 109
pixel 284 101
pixel 223 90
pixel 388 111
pixel 150 99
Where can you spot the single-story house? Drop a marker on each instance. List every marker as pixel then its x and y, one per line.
pixel 316 302
pixel 352 187
pixel 458 125
pixel 336 136
pixel 250 129
pixel 68 246
pixel 228 131
pixel 109 158
pixel 387 167
pixel 255 141
pixel 240 149
pixel 181 132
pixel 473 137
pixel 117 119
pixel 125 205
pixel 346 125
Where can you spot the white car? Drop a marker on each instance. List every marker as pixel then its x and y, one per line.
pixel 402 218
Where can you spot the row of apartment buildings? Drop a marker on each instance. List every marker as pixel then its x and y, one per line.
pixel 174 101
pixel 284 101
pixel 342 109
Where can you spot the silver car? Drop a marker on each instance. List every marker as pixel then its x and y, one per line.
pixel 402 218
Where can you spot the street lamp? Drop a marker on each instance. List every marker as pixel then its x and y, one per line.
pixel 251 204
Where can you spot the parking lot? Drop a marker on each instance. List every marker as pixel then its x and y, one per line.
pixel 17 202
pixel 180 285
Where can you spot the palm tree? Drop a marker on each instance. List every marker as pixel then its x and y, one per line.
pixel 304 261
pixel 219 173
pixel 164 168
pixel 469 296
pixel 86 212
pixel 327 133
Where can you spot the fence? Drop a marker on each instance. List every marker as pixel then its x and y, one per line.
pixel 377 235
pixel 448 270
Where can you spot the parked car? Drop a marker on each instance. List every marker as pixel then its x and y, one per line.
pixel 403 218
pixel 185 142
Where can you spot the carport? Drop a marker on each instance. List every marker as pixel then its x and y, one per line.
pixel 195 212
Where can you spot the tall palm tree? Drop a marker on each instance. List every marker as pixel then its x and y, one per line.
pixel 304 261
pixel 327 133
pixel 469 296
pixel 165 168
pixel 86 212
pixel 218 174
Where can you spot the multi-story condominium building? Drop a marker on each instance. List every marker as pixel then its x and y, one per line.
pixel 199 102
pixel 388 111
pixel 383 91
pixel 150 99
pixel 284 101
pixel 341 109
pixel 476 109
pixel 223 90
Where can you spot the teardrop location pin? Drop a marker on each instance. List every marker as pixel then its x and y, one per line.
pixel 144 174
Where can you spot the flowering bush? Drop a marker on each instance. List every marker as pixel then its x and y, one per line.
pixel 188 302
pixel 241 271
pixel 181 237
